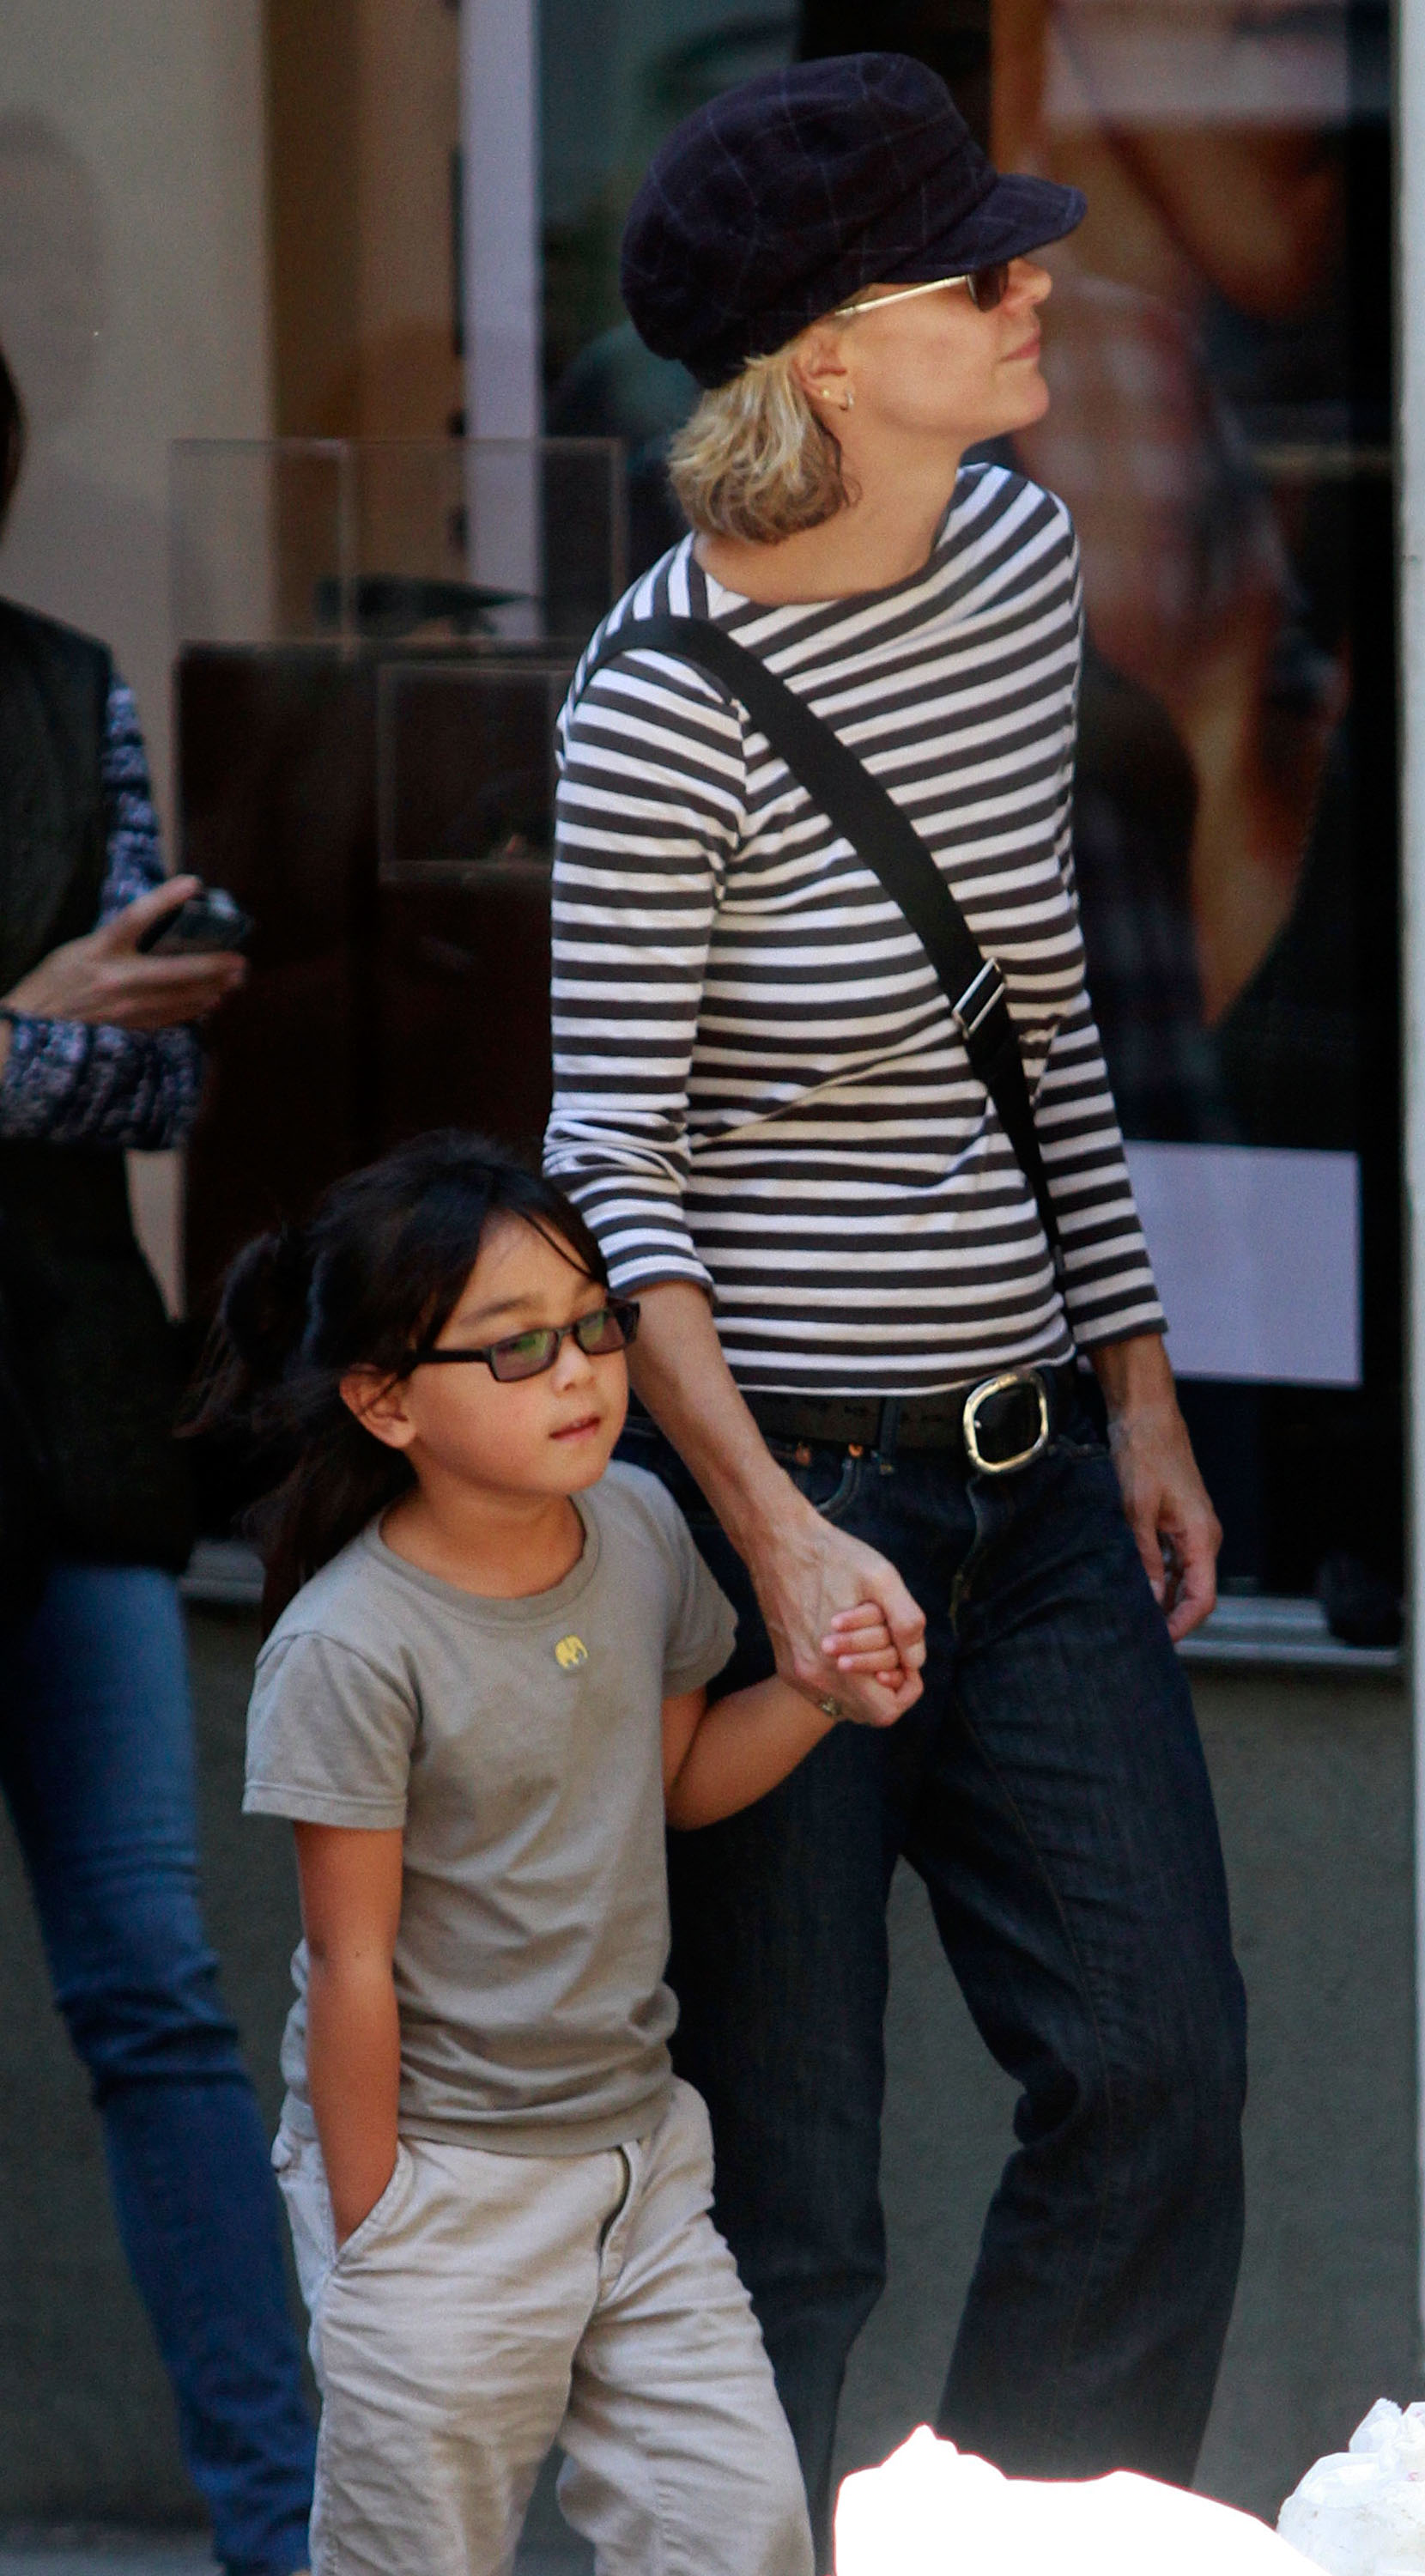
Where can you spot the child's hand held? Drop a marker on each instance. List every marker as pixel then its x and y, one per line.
pixel 859 1640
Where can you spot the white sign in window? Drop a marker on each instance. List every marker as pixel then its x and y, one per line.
pixel 1257 1254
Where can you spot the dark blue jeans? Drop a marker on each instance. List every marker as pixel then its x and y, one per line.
pixel 96 1764
pixel 1050 1790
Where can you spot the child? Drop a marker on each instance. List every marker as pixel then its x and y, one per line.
pixel 492 1677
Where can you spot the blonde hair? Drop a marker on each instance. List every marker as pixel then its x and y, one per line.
pixel 754 461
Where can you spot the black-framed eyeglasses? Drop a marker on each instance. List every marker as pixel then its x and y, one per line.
pixel 986 287
pixel 611 1327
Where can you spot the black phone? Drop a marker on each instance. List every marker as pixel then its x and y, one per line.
pixel 211 919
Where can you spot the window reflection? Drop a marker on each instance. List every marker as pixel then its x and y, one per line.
pixel 1218 351
pixel 1201 430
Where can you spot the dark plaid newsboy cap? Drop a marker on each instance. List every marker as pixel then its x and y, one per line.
pixel 787 195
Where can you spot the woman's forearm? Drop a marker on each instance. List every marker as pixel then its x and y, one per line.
pixel 354 2079
pixel 679 1372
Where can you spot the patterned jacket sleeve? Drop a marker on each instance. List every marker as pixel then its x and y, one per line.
pixel 66 1082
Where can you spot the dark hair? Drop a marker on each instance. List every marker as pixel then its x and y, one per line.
pixel 12 436
pixel 378 1270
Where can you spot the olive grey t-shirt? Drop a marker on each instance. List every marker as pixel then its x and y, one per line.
pixel 518 1746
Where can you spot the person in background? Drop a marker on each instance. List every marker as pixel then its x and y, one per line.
pixel 98 1055
pixel 858 1355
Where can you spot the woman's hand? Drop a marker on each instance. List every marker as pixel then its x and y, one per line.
pixel 806 1571
pixel 103 980
pixel 1168 1507
pixel 820 1590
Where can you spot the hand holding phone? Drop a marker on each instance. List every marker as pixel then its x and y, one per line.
pixel 210 919
pixel 125 975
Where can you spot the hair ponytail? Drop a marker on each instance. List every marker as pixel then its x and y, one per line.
pixel 380 1268
pixel 263 1313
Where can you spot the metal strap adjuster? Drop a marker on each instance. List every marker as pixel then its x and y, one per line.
pixel 980 1395
pixel 979 998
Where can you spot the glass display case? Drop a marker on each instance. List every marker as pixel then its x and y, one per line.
pixel 359 542
pixel 371 644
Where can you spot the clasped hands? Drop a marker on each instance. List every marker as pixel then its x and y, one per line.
pixel 843 1625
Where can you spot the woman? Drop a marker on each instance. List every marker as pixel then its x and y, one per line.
pixel 97 1054
pixel 767 1113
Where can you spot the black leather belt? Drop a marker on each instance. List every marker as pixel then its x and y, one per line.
pixel 995 1423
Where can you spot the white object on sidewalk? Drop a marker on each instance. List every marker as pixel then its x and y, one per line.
pixel 935 2511
pixel 1361 2512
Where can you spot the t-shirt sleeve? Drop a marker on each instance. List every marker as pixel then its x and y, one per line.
pixel 702 1625
pixel 329 1736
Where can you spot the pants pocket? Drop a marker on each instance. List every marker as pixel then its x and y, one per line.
pixel 301 2178
pixel 688 2113
pixel 378 2218
pixel 301 2175
pixel 830 1481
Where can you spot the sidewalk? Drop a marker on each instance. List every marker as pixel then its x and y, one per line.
pixel 109 2553
pixel 137 2553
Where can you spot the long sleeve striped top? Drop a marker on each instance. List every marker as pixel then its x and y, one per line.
pixel 758 1083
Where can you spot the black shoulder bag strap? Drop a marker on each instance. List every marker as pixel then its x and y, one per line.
pixel 887 842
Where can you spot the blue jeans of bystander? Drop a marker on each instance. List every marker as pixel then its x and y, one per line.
pixel 96 1764
pixel 1050 1791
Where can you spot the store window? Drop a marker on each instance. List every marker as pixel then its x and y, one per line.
pixel 1219 359
pixel 1218 352
pixel 616 76
pixel 1217 346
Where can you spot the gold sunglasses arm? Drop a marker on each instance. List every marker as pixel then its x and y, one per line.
pixel 901 295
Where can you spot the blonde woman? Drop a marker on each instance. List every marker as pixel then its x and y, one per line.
pixel 862 1371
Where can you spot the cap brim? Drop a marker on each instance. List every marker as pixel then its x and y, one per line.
pixel 1017 215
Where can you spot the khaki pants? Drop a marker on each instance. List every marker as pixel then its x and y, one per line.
pixel 491 2304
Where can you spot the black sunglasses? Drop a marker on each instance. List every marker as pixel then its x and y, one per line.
pixel 611 1327
pixel 988 286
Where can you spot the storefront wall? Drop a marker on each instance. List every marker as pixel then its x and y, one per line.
pixel 133 301
pixel 133 307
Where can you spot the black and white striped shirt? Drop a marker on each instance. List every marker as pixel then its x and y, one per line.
pixel 758 1084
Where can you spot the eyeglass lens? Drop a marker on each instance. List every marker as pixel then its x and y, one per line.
pixel 988 285
pixel 608 1329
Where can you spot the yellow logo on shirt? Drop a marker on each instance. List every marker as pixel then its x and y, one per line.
pixel 570 1653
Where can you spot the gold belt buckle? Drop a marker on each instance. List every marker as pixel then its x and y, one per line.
pixel 980 1395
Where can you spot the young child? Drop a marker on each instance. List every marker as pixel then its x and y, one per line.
pixel 490 1683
